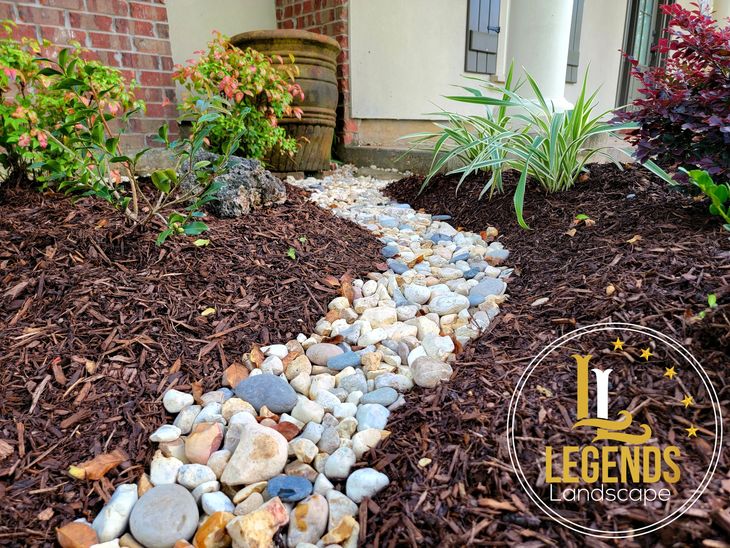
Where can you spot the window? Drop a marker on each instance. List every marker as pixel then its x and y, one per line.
pixel 571 74
pixel 482 34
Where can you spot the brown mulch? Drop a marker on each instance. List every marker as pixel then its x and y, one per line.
pixel 95 324
pixel 469 495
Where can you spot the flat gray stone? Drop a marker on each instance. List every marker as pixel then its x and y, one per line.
pixel 269 390
pixel 164 515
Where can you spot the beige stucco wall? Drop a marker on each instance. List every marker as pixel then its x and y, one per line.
pixel 601 39
pixel 193 21
pixel 403 63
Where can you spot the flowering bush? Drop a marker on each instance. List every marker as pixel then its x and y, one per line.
pixel 35 106
pixel 259 91
pixel 63 117
pixel 684 114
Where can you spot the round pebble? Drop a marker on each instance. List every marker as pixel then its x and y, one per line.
pixel 164 515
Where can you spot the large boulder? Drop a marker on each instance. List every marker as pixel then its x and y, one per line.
pixel 246 186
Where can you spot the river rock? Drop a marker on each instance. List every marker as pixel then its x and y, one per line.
pixel 203 441
pixel 175 401
pixel 112 521
pixel 163 469
pixel 308 521
pixel 267 390
pixel 289 488
pixel 192 475
pixel 339 463
pixel 212 533
pixel 428 372
pixel 381 316
pixel 260 455
pixel 365 482
pixel 383 396
pixel 216 501
pixel 341 361
pixel 450 303
pixel 164 515
pixel 371 415
pixel 321 353
pixel 340 506
pixel 257 529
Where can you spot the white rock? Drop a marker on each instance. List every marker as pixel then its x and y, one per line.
pixel 322 485
pixel 218 460
pixel 175 401
pixel 186 417
pixel 361 305
pixel 418 352
pixel 344 410
pixel 339 463
pixel 418 294
pixel 308 521
pixel 428 372
pixel 304 449
pixel 339 507
pixel 450 303
pixel 203 488
pixel 363 441
pixel 273 365
pixel 380 316
pixel 166 432
pixel 438 348
pixel 112 521
pixel 216 501
pixel 278 350
pixel 260 455
pixel 163 470
pixel 192 475
pixel 307 411
pixel 365 482
pixel 373 337
pixel 426 327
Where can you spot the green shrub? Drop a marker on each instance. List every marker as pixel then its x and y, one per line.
pixel 259 93
pixel 63 119
pixel 526 134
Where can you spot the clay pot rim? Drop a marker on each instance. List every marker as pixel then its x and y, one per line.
pixel 285 34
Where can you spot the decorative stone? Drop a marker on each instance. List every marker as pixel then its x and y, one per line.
pixel 322 485
pixel 163 515
pixel 289 488
pixel 380 317
pixel 307 410
pixel 428 372
pixel 245 186
pixel 185 419
pixel 488 286
pixel 257 529
pixel 320 353
pixel 339 463
pixel 163 469
pixel 371 415
pixel 249 504
pixel 305 450
pixel 203 441
pixel 450 303
pixel 383 396
pixel 216 502
pixel 438 348
pixel 363 441
pixel 175 401
pixel 203 488
pixel 261 454
pixel 346 359
pixel 192 475
pixel 300 364
pixel 112 521
pixel 365 482
pixel 165 433
pixel 340 507
pixel 417 294
pixel 267 390
pixel 308 521
pixel 212 533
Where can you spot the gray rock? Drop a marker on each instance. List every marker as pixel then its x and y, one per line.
pixel 163 515
pixel 269 390
pixel 340 361
pixel 192 475
pixel 245 186
pixel 383 396
pixel 321 353
pixel 488 286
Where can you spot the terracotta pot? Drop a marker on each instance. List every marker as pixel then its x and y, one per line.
pixel 316 57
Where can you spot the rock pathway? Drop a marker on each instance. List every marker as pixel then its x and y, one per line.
pixel 278 450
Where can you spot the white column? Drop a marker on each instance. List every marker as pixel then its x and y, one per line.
pixel 722 11
pixel 537 39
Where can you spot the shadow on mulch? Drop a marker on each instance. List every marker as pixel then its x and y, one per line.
pixel 661 280
pixel 94 327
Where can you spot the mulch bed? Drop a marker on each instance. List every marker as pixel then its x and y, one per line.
pixel 96 323
pixel 661 280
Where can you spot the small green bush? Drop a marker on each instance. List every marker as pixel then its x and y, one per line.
pixel 718 193
pixel 259 93
pixel 525 134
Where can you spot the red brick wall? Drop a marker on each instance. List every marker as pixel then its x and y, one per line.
pixel 130 34
pixel 329 17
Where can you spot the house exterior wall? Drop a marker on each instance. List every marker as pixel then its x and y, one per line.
pixel 130 35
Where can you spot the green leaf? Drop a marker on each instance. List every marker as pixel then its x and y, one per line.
pixel 712 300
pixel 201 242
pixel 195 228
pixel 48 71
pixel 164 235
pixel 582 217
pixel 161 181
pixel 291 253
pixel 519 198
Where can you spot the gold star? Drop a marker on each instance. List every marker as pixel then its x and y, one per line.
pixel 618 344
pixel 691 432
pixel 688 400
pixel 645 353
pixel 669 372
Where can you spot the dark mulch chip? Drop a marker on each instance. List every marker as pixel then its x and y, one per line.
pixel 661 280
pixel 95 326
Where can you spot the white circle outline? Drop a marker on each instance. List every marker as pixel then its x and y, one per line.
pixel 608 326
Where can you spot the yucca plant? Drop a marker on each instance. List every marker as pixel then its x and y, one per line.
pixel 538 141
